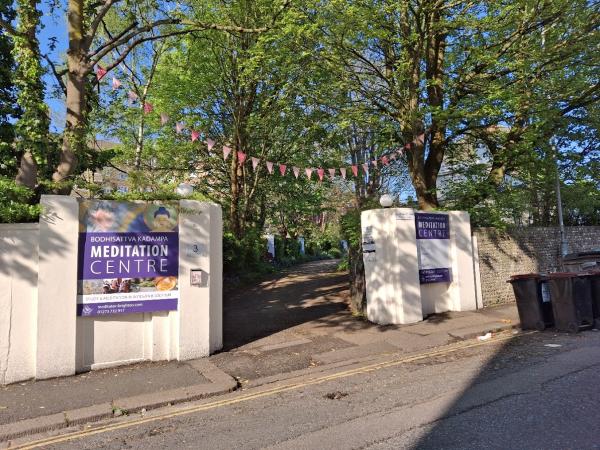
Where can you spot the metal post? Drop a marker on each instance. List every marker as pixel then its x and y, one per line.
pixel 564 246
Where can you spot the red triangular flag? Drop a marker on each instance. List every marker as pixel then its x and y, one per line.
pixel 296 171
pixel 308 172
pixel 331 173
pixel 355 170
pixel 100 72
pixel 241 157
pixel 116 84
pixel 385 160
pixel 179 127
pixel 255 162
pixel 365 167
pixel 195 135
pixel 226 151
pixel 270 166
pixel 321 172
pixel 343 172
pixel 163 118
pixel 282 168
pixel 210 144
pixel 148 107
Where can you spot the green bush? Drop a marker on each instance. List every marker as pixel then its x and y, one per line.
pixel 334 253
pixel 246 255
pixel 15 202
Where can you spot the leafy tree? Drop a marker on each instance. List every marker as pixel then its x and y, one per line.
pixel 8 107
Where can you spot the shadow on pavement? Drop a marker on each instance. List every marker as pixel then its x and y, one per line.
pixel 304 293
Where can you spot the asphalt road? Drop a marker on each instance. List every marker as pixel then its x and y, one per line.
pixel 518 393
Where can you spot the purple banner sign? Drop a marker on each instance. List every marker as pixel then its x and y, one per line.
pixel 434 276
pixel 99 309
pixel 128 255
pixel 432 226
pixel 128 259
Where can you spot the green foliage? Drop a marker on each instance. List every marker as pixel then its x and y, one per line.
pixel 9 109
pixel 245 258
pixel 32 128
pixel 15 204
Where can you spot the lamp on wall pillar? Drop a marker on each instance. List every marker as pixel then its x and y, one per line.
pixel 184 190
pixel 386 200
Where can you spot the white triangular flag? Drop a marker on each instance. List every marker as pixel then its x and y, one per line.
pixel 226 151
pixel 296 171
pixel 308 172
pixel 270 166
pixel 343 172
pixel 331 173
pixel 255 162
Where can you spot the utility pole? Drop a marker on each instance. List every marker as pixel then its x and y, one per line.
pixel 564 246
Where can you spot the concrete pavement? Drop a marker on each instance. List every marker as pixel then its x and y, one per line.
pixel 291 325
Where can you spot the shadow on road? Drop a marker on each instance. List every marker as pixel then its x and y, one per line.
pixel 526 395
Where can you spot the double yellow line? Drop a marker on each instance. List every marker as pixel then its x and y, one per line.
pixel 263 393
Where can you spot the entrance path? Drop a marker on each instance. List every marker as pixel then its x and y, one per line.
pixel 300 319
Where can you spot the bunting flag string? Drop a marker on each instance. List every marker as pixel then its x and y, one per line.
pixel 148 108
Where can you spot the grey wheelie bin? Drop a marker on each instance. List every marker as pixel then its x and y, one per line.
pixel 533 302
pixel 571 301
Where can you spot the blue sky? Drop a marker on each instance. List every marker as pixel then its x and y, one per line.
pixel 54 25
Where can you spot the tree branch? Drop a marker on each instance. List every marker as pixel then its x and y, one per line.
pixel 99 17
pixel 58 75
pixel 12 30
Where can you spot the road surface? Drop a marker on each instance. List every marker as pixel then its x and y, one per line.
pixel 534 391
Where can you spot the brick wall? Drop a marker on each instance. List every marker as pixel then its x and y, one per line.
pixel 524 250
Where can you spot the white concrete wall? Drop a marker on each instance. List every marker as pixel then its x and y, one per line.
pixel 391 272
pixel 57 286
pixel 18 300
pixel 394 294
pixel 40 334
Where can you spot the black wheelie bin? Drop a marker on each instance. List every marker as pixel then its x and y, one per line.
pixel 571 295
pixel 533 303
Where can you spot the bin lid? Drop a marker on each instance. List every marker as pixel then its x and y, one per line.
pixel 582 255
pixel 524 276
pixel 566 274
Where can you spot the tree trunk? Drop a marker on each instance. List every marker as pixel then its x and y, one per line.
pixel 139 142
pixel 74 134
pixel 27 172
